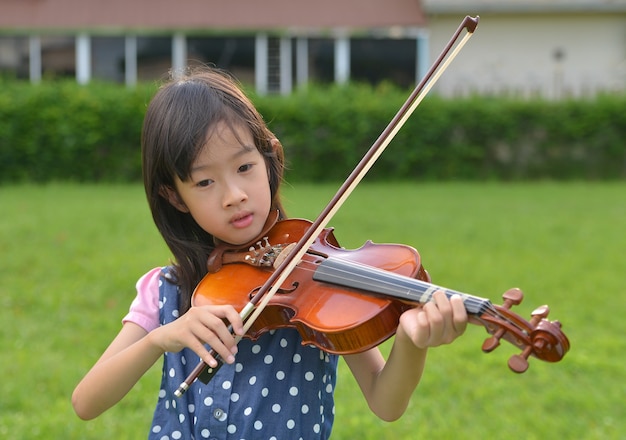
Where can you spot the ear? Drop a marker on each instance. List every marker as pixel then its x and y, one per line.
pixel 173 198
pixel 275 144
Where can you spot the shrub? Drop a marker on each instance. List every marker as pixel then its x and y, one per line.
pixel 64 131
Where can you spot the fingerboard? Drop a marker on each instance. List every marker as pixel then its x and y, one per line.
pixel 382 282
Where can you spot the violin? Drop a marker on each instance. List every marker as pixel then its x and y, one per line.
pixel 348 301
pixel 296 275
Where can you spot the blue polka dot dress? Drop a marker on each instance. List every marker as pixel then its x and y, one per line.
pixel 276 389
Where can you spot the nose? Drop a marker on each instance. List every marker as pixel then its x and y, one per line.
pixel 234 194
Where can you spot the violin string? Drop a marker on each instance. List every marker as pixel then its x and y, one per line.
pixel 488 308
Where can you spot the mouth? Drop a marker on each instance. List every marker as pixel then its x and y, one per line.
pixel 242 220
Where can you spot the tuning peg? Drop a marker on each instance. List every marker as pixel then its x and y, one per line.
pixel 511 297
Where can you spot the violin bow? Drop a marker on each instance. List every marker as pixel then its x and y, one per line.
pixel 256 305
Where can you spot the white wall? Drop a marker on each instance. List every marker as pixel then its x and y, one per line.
pixel 515 53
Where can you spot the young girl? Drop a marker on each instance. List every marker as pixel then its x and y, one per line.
pixel 212 171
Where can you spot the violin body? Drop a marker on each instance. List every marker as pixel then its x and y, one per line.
pixel 336 319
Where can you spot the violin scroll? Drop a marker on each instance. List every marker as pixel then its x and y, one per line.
pixel 538 337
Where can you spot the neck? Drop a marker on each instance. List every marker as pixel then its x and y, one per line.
pixel 381 282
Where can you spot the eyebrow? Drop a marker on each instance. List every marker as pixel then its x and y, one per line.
pixel 245 149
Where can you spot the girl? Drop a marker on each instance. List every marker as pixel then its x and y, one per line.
pixel 212 171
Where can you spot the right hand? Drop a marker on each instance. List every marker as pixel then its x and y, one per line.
pixel 200 326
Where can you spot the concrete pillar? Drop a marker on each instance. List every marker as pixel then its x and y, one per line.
pixel 130 60
pixel 179 54
pixel 302 61
pixel 342 57
pixel 34 58
pixel 423 54
pixel 261 53
pixel 83 58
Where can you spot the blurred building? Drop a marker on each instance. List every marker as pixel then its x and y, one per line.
pixel 274 44
pixel 548 48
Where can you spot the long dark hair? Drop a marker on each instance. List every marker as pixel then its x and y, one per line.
pixel 177 122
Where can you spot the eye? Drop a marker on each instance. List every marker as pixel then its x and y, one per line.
pixel 244 168
pixel 204 183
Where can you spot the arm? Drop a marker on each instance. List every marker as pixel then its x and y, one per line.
pixel 134 351
pixel 388 386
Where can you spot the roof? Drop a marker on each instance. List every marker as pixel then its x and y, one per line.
pixel 523 6
pixel 207 14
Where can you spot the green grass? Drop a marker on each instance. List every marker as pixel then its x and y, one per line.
pixel 71 255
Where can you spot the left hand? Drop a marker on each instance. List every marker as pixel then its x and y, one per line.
pixel 438 322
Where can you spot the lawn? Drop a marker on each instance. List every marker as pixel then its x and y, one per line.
pixel 72 253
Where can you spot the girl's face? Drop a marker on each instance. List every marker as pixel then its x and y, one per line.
pixel 228 193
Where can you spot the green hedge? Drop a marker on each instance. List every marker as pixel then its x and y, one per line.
pixel 63 131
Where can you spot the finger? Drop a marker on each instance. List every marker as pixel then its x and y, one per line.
pixel 459 314
pixel 436 323
pixel 210 329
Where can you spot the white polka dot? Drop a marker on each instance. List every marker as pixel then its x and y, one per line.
pixel 183 360
pixel 176 435
pixel 297 358
pixel 247 411
pixel 175 313
pixel 205 433
pixel 316 428
pixel 265 392
pixel 305 409
pixel 293 391
pixel 226 385
pixel 172 372
pixel 268 359
pixel 309 376
pixel 231 429
pixel 208 401
pixel 234 397
pixel 161 393
pixel 256 349
pixel 329 388
pixel 283 342
pixel 252 380
pixel 156 429
pixel 181 418
pixel 280 375
pixel 239 367
pixel 276 408
pixel 191 408
pixel 291 424
pixel 258 425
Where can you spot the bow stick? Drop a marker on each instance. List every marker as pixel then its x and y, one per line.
pixel 256 305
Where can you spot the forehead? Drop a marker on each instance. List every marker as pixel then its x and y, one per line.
pixel 225 141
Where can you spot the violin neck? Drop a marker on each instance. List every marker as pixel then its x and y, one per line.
pixel 358 276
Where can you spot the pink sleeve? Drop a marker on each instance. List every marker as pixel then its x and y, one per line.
pixel 144 310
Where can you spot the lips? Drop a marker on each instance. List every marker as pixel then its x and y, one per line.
pixel 242 220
